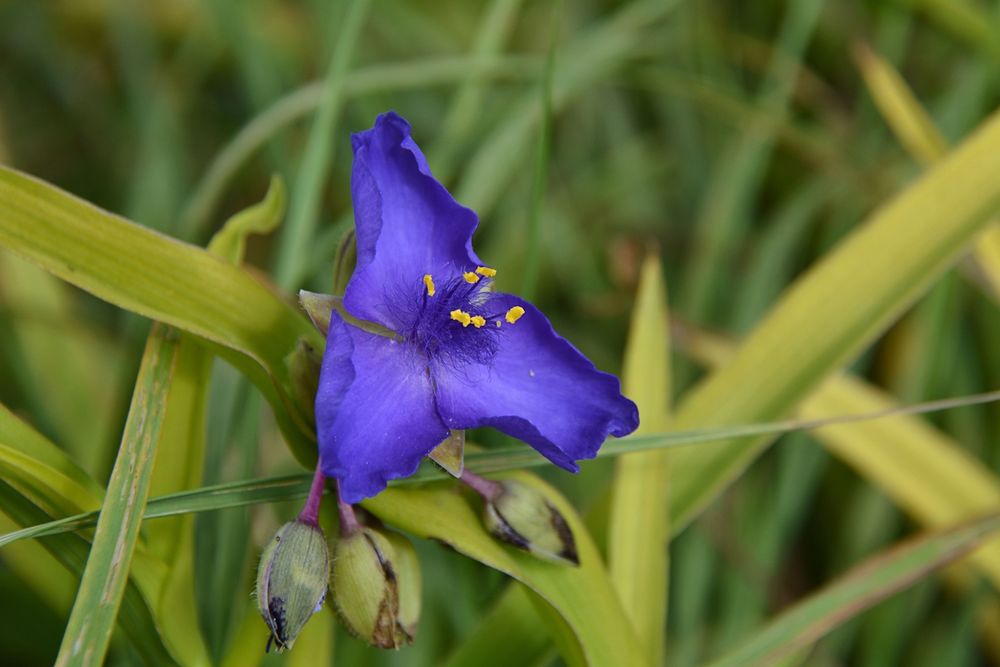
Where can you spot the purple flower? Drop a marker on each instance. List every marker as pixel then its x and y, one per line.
pixel 463 356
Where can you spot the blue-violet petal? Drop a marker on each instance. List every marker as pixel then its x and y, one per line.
pixel 407 224
pixel 537 388
pixel 375 414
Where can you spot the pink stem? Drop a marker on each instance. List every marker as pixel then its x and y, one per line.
pixel 349 524
pixel 310 513
pixel 486 488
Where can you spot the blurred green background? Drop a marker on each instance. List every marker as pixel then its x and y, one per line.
pixel 736 139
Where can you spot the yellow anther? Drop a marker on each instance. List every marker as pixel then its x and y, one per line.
pixel 486 271
pixel 429 284
pixel 461 316
pixel 478 321
pixel 470 277
pixel 498 324
pixel 514 314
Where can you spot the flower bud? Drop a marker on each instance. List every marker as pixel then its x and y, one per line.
pixel 408 584
pixel 292 580
pixel 304 364
pixel 365 588
pixel 520 515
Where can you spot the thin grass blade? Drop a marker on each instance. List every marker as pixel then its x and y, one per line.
pixel 861 588
pixel 830 314
pixel 296 487
pixel 926 473
pixel 92 620
pixel 136 618
pixel 533 248
pixel 307 194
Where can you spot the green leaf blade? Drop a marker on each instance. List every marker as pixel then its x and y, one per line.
pixel 582 595
pixel 639 523
pixel 29 461
pixel 146 272
pixel 862 587
pixel 92 620
pixel 835 310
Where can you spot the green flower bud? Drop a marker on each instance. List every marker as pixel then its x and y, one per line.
pixel 292 580
pixel 409 583
pixel 520 515
pixel 303 367
pixel 365 588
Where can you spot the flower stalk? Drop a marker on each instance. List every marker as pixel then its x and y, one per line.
pixel 349 524
pixel 487 489
pixel 310 511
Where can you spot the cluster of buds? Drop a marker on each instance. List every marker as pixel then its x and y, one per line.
pixel 374 575
pixel 374 579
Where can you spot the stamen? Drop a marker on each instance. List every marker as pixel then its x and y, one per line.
pixel 429 284
pixel 498 324
pixel 486 271
pixel 513 315
pixel 461 316
pixel 470 277
pixel 478 321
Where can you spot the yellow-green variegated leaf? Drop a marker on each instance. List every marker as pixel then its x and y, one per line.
pixel 54 341
pixel 43 574
pixel 834 311
pixel 43 472
pixel 163 279
pixel 926 473
pixel 314 646
pixel 182 448
pixel 145 272
pixel 179 463
pixel 489 645
pixel 262 218
pixel 103 584
pixel 583 596
pixel 639 521
pixel 916 131
pixel 136 620
pixel 866 584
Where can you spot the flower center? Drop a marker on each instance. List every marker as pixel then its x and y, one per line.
pixel 459 320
